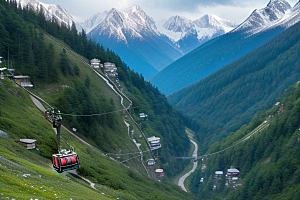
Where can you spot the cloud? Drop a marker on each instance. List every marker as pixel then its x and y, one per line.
pixel 236 10
pixel 181 5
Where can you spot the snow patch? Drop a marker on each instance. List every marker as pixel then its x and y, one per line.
pixel 208 26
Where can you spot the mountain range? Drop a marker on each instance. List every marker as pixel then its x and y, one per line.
pixel 145 45
pixel 260 19
pixel 261 26
pixel 132 34
pixel 148 47
pixel 187 34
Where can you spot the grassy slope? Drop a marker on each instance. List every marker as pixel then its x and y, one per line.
pixel 20 119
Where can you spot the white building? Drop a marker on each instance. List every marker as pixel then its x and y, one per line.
pixel 154 142
pixel 218 174
pixel 23 81
pixel 110 69
pixel 27 143
pixel 143 115
pixel 159 172
pixel 95 63
pixel 151 162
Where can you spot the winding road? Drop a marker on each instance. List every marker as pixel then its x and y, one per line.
pixel 182 179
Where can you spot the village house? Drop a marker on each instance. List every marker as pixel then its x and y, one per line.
pixel 151 161
pixel 143 115
pixel 218 174
pixel 95 63
pixel 23 81
pixel 110 69
pixel 232 173
pixel 27 143
pixel 154 142
pixel 159 172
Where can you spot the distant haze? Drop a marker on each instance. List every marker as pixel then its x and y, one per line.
pixel 234 10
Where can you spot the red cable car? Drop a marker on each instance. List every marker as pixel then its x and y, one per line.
pixel 64 161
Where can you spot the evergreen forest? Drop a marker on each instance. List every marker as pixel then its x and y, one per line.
pixel 268 162
pixel 227 99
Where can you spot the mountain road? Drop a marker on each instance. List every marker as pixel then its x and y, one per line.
pixel 182 179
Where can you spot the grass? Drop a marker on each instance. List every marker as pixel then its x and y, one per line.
pixel 23 179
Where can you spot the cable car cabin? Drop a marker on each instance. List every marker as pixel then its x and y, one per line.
pixel 67 160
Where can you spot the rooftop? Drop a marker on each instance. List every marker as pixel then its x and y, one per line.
pixel 21 76
pixel 219 172
pixel 233 171
pixel 153 138
pixel 28 141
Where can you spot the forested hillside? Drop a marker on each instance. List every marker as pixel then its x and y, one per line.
pixel 68 85
pixel 227 99
pixel 268 162
pixel 28 174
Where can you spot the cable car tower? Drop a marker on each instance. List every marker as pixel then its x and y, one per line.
pixel 65 160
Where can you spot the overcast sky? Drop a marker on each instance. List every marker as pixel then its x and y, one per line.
pixel 234 10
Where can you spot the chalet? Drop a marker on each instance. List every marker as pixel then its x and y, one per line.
pixel 232 173
pixel 218 174
pixel 143 115
pixel 110 69
pixel 23 81
pixel 27 143
pixel 95 63
pixel 159 172
pixel 154 142
pixel 151 162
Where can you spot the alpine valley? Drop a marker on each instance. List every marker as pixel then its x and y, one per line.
pixel 229 128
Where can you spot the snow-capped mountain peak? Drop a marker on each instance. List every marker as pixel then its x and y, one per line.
pixel 51 10
pixel 131 23
pixel 207 21
pixel 261 18
pixel 207 27
pixel 178 24
pixel 116 18
pixel 290 18
pixel 225 24
pixel 93 21
pixel 140 19
pixel 176 27
pixel 136 13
